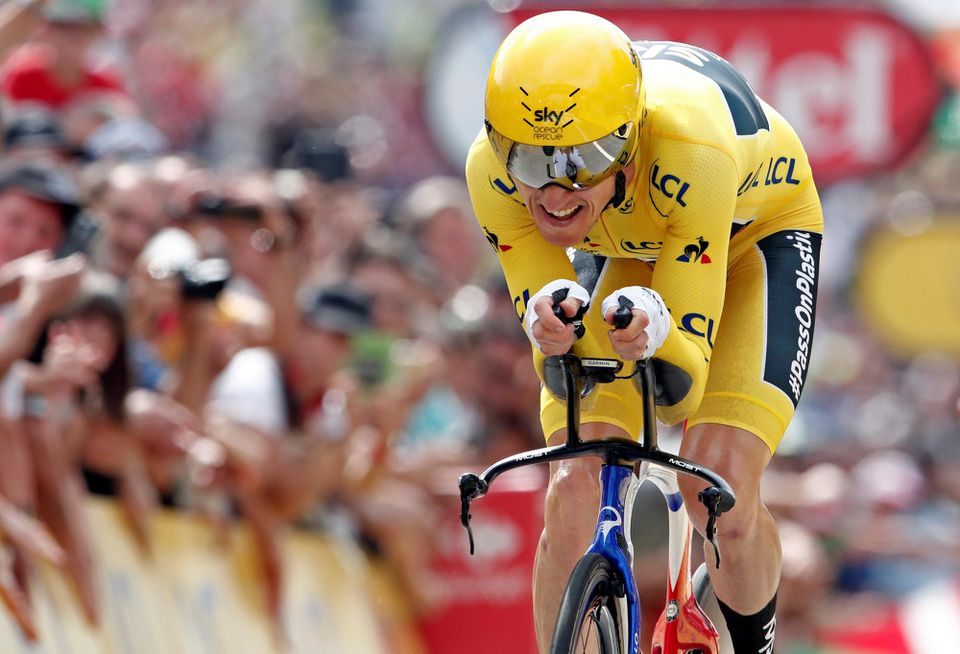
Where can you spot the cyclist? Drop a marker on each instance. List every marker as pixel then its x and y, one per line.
pixel 659 157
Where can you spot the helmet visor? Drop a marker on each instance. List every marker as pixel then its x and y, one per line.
pixel 574 167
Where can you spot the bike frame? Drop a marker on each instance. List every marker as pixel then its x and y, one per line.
pixel 683 625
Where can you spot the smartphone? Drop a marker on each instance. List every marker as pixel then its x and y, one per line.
pixel 80 236
pixel 371 358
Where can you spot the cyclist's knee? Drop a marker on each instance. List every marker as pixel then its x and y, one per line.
pixel 740 458
pixel 573 483
pixel 734 525
pixel 574 490
pixel 570 508
pixel 572 496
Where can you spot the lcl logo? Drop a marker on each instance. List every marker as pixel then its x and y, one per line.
pixel 670 185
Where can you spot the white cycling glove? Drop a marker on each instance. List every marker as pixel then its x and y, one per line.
pixel 650 302
pixel 574 290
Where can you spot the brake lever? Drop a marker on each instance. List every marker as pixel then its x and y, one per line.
pixel 710 498
pixel 465 520
pixel 471 487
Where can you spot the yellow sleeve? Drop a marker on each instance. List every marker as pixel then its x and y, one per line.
pixel 691 271
pixel 528 261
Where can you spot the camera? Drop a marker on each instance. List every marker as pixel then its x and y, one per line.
pixel 175 253
pixel 204 280
pixel 211 205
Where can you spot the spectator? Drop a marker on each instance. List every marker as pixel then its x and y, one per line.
pixel 37 203
pixel 329 317
pixel 240 392
pixel 37 206
pixel 80 378
pixel 437 215
pixel 57 70
pixel 400 289
pixel 322 397
pixel 248 224
pixel 131 210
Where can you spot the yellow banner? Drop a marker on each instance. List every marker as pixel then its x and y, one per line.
pixel 908 287
pixel 197 597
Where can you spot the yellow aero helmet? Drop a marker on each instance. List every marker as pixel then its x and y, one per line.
pixel 564 100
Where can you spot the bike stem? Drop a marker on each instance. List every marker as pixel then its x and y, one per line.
pixel 649 405
pixel 573 387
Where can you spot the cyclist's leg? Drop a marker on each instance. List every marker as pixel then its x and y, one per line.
pixel 749 576
pixel 757 372
pixel 570 514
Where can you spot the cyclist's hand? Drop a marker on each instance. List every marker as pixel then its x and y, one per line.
pixel 552 336
pixel 630 343
pixel 648 328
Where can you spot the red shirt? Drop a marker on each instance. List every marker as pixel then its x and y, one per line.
pixel 27 76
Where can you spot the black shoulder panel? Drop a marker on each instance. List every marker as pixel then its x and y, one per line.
pixel 745 108
pixel 672 383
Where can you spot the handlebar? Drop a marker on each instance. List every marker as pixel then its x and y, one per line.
pixel 718 497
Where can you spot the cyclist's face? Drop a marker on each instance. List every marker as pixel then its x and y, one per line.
pixel 564 217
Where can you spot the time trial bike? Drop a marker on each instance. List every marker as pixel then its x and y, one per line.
pixel 600 610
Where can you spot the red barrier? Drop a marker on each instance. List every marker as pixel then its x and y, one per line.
pixel 487 604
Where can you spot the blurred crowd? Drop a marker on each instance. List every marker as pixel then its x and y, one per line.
pixel 283 312
pixel 281 344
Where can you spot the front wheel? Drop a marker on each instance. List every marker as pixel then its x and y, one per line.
pixel 589 618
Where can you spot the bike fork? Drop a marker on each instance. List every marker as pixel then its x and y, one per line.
pixel 683 627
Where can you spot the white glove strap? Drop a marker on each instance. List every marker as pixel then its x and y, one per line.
pixel 574 290
pixel 650 302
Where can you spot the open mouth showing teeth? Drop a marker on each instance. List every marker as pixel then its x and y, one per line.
pixel 565 213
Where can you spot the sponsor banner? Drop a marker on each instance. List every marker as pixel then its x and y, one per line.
pixel 194 596
pixel 859 86
pixel 487 601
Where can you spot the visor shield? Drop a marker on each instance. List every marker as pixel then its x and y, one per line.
pixel 574 167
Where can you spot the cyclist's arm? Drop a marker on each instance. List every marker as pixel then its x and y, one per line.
pixel 691 278
pixel 528 261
